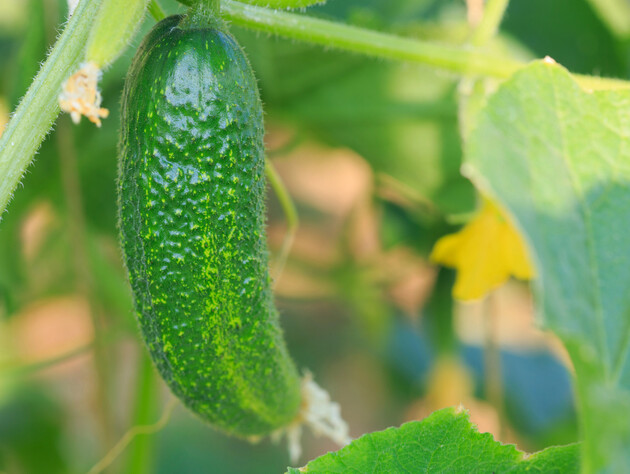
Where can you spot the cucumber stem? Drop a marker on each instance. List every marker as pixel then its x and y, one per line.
pixel 202 14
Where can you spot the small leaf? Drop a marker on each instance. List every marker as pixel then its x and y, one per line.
pixel 445 441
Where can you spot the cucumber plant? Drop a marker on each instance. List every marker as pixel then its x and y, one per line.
pixel 192 223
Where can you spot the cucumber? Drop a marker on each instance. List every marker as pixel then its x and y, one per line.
pixel 192 227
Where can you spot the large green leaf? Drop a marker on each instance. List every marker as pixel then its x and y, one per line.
pixel 558 158
pixel 444 442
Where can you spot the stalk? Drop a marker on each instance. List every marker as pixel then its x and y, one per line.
pixel 39 108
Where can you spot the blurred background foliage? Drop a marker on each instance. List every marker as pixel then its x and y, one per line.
pixel 370 151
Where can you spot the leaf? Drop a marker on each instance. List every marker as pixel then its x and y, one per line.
pixel 558 158
pixel 445 441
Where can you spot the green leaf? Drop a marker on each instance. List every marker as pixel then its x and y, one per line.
pixel 558 158
pixel 445 441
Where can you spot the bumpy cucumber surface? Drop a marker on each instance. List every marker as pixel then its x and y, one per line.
pixel 192 226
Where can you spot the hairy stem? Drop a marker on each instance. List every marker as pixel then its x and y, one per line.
pixel 77 235
pixel 146 405
pixel 372 43
pixel 130 435
pixel 493 373
pixel 456 59
pixel 290 212
pixel 202 13
pixel 490 21
pixel 493 376
pixel 39 107
pixel 18 370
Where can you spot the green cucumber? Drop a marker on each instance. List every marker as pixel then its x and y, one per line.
pixel 192 227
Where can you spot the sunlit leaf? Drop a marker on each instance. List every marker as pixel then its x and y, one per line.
pixel 558 158
pixel 445 441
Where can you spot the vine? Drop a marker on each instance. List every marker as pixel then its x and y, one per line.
pixel 38 109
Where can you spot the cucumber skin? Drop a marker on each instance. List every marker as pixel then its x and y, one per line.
pixel 192 227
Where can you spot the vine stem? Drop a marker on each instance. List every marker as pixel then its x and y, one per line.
pixel 439 315
pixel 201 12
pixel 493 378
pixel 460 60
pixel 490 21
pixel 493 372
pixel 290 212
pixel 146 404
pixel 372 43
pixel 17 370
pixel 129 436
pixel 39 107
pixel 85 284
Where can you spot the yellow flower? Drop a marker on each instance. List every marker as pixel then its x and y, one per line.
pixel 485 253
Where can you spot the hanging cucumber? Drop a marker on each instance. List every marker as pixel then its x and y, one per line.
pixel 192 225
